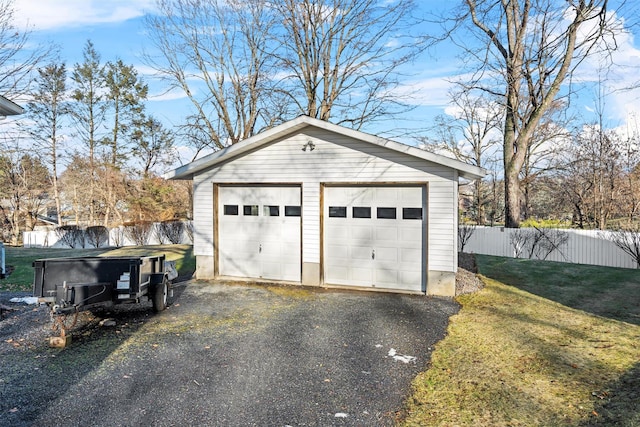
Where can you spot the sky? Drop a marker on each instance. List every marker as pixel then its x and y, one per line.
pixel 117 31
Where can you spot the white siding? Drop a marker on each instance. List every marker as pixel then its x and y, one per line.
pixel 202 216
pixel 442 225
pixel 311 222
pixel 335 159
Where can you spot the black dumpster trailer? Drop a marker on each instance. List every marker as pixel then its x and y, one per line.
pixel 74 284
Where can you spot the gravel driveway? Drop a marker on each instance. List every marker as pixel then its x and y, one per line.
pixel 223 355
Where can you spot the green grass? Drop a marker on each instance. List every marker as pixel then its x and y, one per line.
pixel 605 291
pixel 22 260
pixel 541 345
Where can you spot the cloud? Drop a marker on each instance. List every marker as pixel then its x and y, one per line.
pixel 429 91
pixel 169 95
pixel 59 14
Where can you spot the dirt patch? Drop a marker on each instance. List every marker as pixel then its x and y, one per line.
pixel 467 280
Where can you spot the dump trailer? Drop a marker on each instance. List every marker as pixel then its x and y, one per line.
pixel 70 285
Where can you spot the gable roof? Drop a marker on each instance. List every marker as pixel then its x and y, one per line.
pixel 190 169
pixel 9 108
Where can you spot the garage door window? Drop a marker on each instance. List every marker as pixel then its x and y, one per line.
pixel 270 210
pixel 386 213
pixel 292 211
pixel 250 210
pixel 337 211
pixel 412 213
pixel 361 212
pixel 231 209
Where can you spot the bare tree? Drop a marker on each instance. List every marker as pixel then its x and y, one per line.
pixel 342 57
pixel 24 184
pixel 470 134
pixel 216 52
pixel 548 140
pixel 528 49
pixel 590 176
pixel 18 56
pixel 242 63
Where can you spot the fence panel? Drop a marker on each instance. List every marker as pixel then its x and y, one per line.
pixel 117 238
pixel 583 247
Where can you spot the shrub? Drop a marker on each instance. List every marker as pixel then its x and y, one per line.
pixel 171 231
pixel 97 235
pixel 70 235
pixel 139 232
pixel 188 226
pixel 118 236
pixel 543 223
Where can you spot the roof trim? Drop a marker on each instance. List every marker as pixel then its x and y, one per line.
pixel 190 169
pixel 9 108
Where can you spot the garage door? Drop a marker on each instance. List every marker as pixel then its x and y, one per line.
pixel 374 236
pixel 259 232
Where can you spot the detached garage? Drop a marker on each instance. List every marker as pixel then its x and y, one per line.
pixel 313 203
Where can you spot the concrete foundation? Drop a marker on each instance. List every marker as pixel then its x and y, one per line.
pixel 204 267
pixel 441 283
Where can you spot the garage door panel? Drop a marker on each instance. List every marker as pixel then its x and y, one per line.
pixel 384 233
pixel 360 276
pixel 337 253
pixel 410 255
pixel 385 255
pixel 360 253
pixel 396 243
pixel 337 274
pixel 386 277
pixel 264 243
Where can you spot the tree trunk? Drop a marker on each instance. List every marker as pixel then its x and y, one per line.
pixel 480 203
pixel 511 197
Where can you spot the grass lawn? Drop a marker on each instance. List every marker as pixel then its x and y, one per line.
pixel 22 259
pixel 543 344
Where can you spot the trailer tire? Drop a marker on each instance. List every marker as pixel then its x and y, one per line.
pixel 160 295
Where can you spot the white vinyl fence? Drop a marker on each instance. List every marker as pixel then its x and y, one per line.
pixel 582 247
pixel 117 237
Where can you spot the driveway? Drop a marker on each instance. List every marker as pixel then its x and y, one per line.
pixel 232 355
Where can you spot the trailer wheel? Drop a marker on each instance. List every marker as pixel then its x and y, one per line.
pixel 160 295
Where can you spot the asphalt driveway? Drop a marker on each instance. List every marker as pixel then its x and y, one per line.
pixel 232 355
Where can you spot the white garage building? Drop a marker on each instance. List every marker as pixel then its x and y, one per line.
pixel 317 204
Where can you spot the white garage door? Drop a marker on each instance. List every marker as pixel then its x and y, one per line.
pixel 374 236
pixel 259 232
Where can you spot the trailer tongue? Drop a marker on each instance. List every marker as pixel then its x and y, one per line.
pixel 70 285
